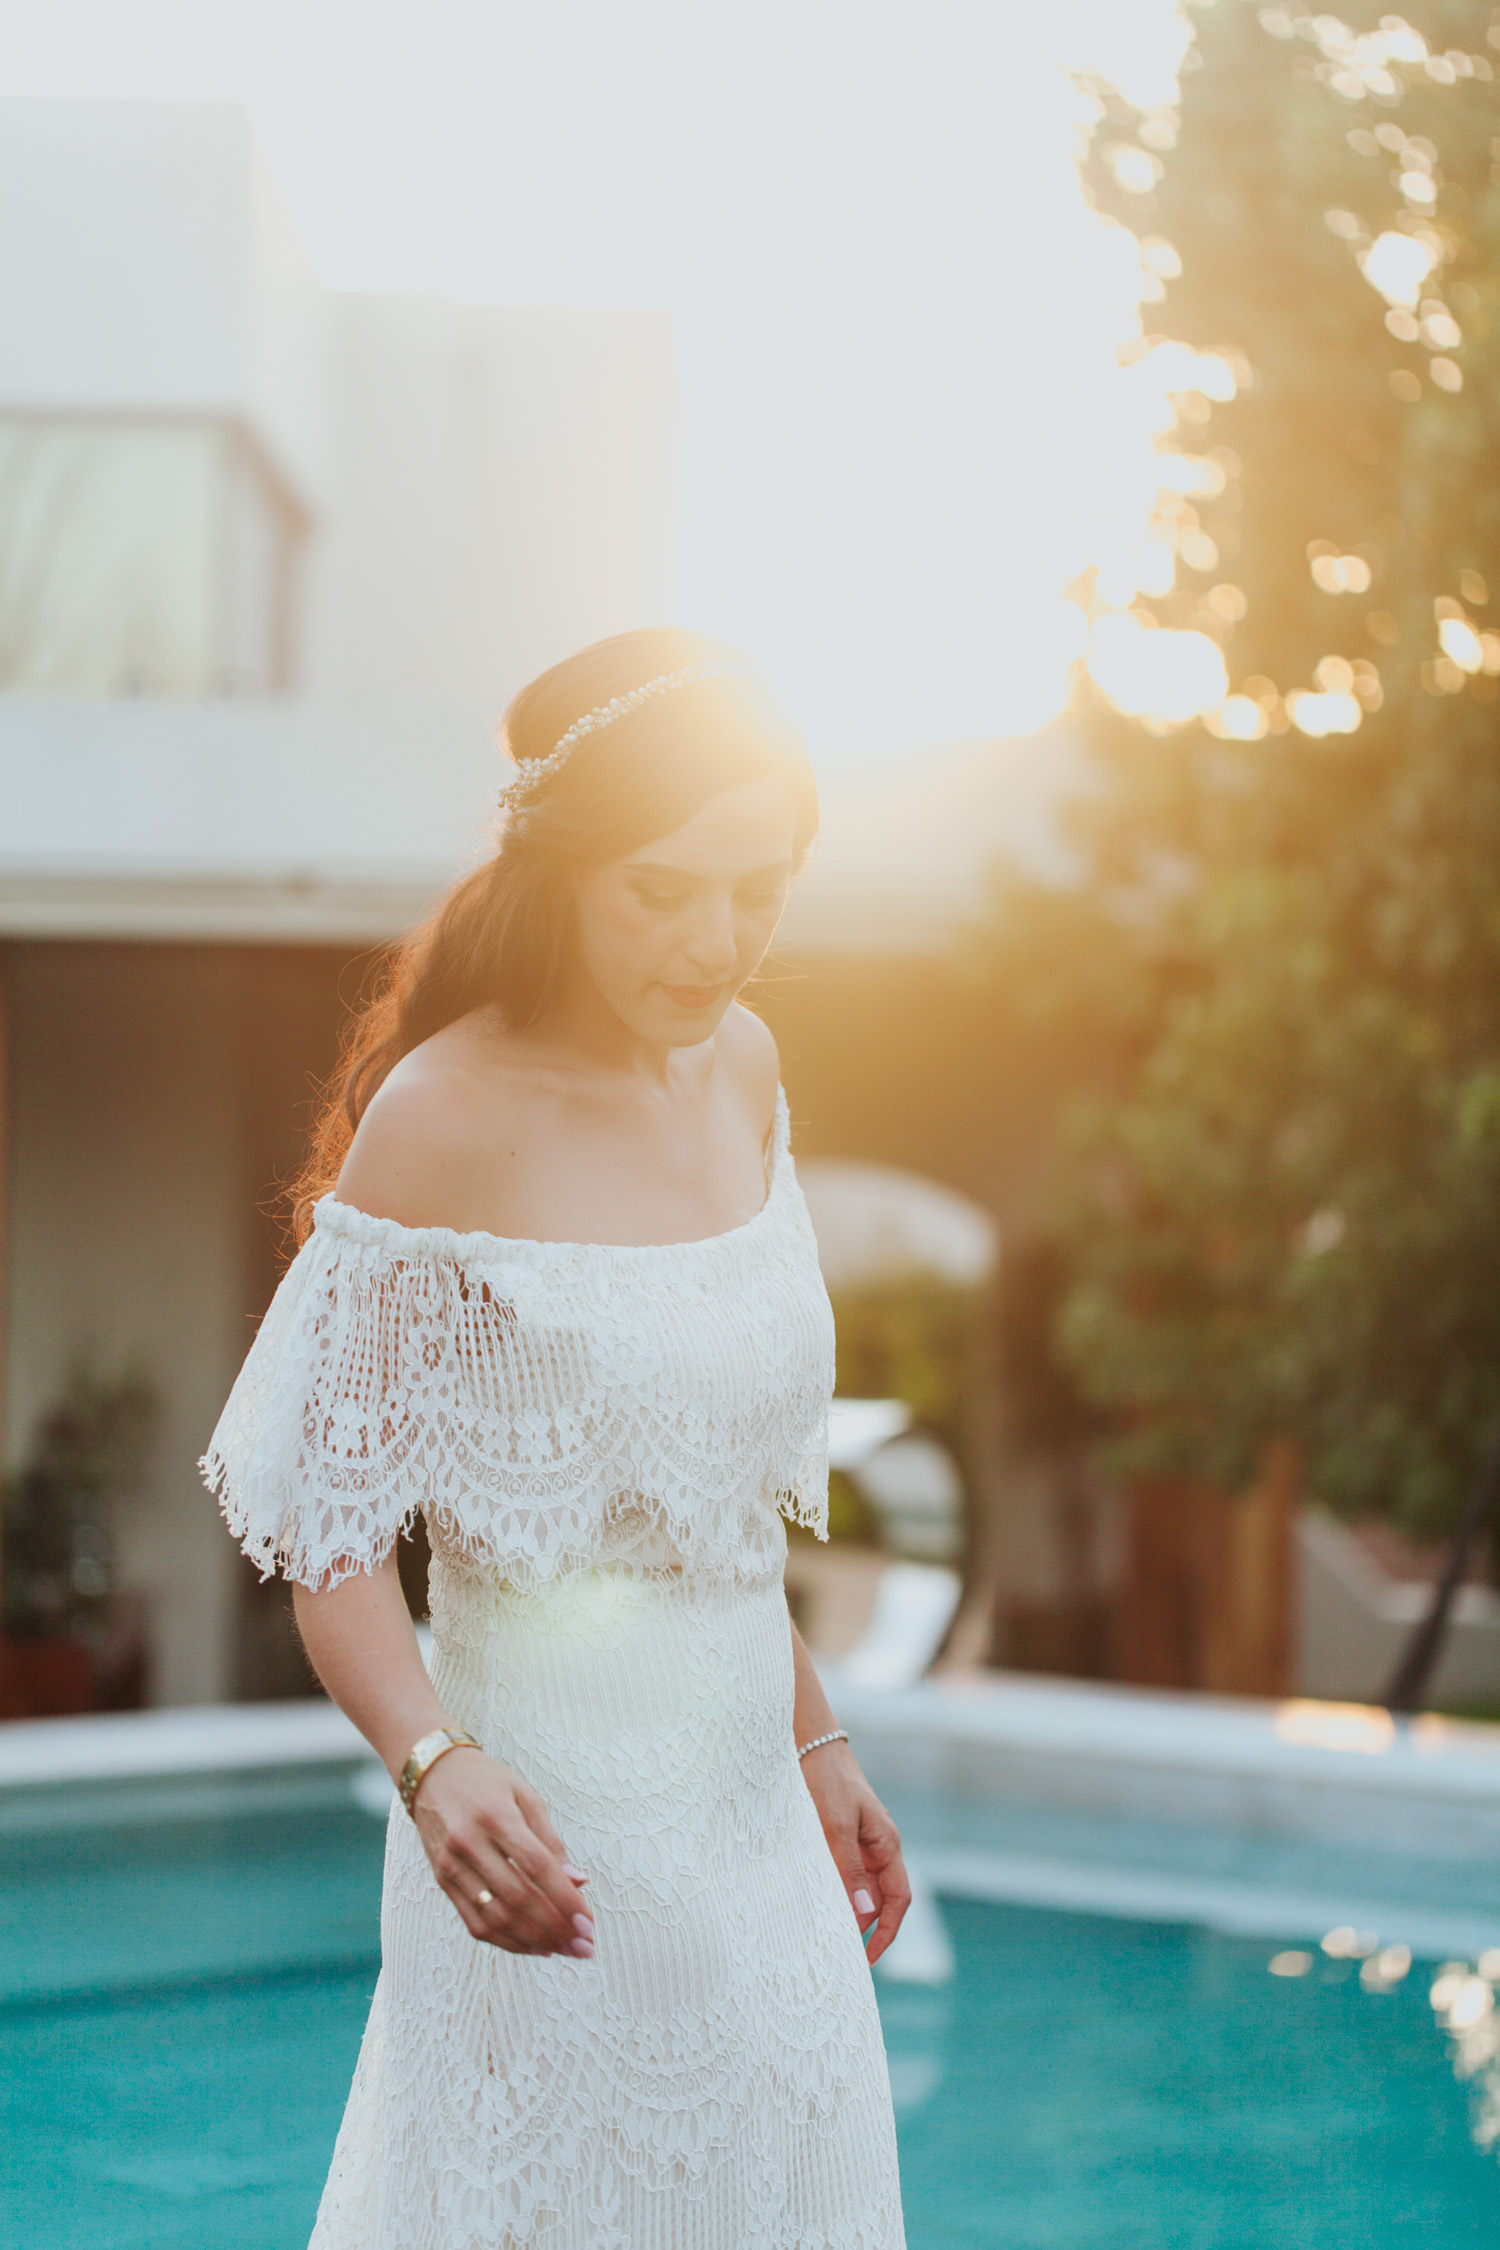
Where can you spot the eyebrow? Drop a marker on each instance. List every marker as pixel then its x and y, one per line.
pixel 681 875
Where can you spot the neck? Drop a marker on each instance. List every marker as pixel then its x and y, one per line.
pixel 581 1028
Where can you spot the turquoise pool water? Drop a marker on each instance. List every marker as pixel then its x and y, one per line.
pixel 181 2006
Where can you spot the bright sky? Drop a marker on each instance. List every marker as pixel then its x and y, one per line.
pixel 904 428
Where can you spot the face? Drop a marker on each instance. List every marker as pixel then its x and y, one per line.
pixel 668 935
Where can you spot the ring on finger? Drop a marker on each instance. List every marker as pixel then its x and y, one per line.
pixel 485 1898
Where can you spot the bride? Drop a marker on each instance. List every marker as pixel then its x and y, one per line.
pixel 557 1289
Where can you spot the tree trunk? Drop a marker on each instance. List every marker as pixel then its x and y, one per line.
pixel 1408 1690
pixel 1206 1598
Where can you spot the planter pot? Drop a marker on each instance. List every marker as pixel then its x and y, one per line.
pixel 104 1667
pixel 45 1679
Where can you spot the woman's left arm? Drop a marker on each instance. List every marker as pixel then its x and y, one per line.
pixel 861 1834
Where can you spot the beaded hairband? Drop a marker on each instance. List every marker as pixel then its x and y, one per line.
pixel 530 771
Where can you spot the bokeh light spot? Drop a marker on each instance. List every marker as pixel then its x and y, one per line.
pixel 1397 265
pixel 1320 715
pixel 1458 640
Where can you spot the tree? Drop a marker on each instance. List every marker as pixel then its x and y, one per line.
pixel 1282 1204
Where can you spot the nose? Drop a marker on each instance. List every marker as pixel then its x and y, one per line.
pixel 711 946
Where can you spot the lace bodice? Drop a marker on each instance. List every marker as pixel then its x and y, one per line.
pixel 548 1406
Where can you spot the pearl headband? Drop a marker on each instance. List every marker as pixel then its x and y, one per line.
pixel 530 771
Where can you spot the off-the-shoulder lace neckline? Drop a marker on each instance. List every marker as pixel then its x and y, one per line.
pixel 332 1216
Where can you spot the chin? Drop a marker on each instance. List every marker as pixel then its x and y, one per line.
pixel 671 1026
pixel 693 1034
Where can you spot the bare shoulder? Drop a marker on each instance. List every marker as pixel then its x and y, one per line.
pixel 426 1136
pixel 748 1052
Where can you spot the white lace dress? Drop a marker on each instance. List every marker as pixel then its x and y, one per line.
pixel 603 1442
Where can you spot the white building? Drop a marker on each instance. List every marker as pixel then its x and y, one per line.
pixel 272 559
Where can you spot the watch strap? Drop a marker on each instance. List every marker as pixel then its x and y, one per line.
pixel 424 1755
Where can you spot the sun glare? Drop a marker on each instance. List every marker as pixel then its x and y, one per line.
pixel 1164 676
pixel 907 435
pixel 1039 465
pixel 1150 672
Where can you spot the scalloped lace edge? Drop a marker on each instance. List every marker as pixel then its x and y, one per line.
pixel 295 1562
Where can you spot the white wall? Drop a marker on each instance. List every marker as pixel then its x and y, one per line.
pixel 502 492
pixel 191 799
pixel 147 266
pixel 1355 1624
pixel 487 489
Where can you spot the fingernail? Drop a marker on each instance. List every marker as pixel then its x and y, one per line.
pixel 863 1903
pixel 583 1949
pixel 574 1874
pixel 583 1925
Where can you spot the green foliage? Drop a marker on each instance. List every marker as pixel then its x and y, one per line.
pixel 908 1337
pixel 1282 1208
pixel 58 1511
pixel 850 1515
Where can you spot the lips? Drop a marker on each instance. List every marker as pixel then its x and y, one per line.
pixel 693 995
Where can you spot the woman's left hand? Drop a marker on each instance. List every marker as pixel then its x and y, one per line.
pixel 864 1841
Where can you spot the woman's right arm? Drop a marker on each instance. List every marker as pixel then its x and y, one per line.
pixel 486 1833
pixel 483 1829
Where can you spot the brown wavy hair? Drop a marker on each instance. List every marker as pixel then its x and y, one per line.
pixel 501 936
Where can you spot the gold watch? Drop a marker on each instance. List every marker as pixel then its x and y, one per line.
pixel 424 1755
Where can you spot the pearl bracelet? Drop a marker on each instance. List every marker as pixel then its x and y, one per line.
pixel 839 1734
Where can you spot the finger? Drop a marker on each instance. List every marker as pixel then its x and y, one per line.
pixel 854 1876
pixel 556 1895
pixel 895 1898
pixel 515 1907
pixel 485 1931
pixel 491 1898
pixel 562 1933
pixel 886 1893
pixel 534 1812
pixel 477 1923
pixel 543 1869
pixel 512 1916
pixel 892 1912
pixel 478 1865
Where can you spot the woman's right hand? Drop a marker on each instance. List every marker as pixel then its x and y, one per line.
pixel 500 1860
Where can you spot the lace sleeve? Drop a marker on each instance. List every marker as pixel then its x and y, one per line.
pixel 803 1497
pixel 315 1460
pixel 548 1406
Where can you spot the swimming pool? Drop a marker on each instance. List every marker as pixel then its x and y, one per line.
pixel 182 2002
